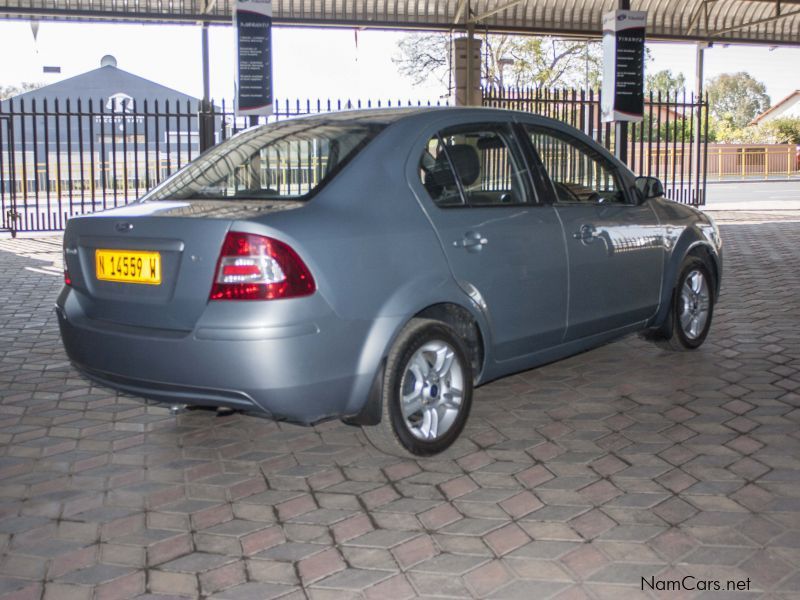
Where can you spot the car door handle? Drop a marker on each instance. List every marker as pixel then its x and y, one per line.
pixel 472 241
pixel 585 233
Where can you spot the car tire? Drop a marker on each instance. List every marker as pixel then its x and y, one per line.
pixel 691 309
pixel 423 410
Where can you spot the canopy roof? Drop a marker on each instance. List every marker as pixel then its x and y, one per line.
pixel 750 21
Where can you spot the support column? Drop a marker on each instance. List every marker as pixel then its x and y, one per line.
pixel 206 117
pixel 699 142
pixel 467 69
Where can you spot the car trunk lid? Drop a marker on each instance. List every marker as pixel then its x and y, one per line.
pixel 185 238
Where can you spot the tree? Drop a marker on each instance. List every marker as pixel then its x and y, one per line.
pixel 737 97
pixel 506 61
pixel 7 91
pixel 785 130
pixel 664 82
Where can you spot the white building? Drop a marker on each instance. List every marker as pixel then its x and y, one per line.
pixel 789 107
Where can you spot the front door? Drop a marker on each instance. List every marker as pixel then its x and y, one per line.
pixel 505 250
pixel 614 246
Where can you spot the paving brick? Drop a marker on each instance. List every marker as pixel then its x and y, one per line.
pixel 396 587
pixel 414 551
pixel 525 589
pixel 158 545
pixel 458 487
pixel 320 565
pixel 353 579
pixel 506 539
pixel 590 525
pixel 521 504
pixel 685 464
pixel 222 577
pixel 253 591
pixel 163 582
pixel 438 517
pixel 451 564
pixel 433 584
pixel 487 578
pixel 382 538
pixel 584 560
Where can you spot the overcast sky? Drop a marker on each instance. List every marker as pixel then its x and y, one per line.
pixel 308 62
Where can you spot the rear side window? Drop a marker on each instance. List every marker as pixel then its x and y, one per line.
pixel 473 167
pixel 289 160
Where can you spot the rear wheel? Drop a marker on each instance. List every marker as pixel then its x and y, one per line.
pixel 427 392
pixel 692 308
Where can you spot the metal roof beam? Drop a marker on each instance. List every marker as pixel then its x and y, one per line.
pixel 462 4
pixel 756 22
pixel 495 10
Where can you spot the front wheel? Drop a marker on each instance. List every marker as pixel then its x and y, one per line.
pixel 427 392
pixel 692 307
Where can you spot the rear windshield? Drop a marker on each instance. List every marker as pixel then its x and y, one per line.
pixel 289 160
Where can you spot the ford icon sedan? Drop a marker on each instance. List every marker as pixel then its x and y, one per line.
pixel 375 266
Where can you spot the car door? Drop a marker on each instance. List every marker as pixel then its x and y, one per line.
pixel 504 248
pixel 614 247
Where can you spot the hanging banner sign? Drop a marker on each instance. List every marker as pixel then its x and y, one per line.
pixel 253 23
pixel 623 65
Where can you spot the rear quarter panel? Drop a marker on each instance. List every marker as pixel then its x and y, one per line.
pixel 373 253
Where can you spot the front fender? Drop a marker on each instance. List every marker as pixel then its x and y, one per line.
pixel 692 238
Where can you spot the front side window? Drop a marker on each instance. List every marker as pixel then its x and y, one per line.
pixel 285 161
pixel 578 173
pixel 473 167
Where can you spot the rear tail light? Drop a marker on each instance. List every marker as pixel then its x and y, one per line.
pixel 256 267
pixel 67 278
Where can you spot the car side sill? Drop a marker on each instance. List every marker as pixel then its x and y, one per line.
pixel 543 357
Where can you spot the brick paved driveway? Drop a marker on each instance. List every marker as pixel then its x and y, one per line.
pixel 573 480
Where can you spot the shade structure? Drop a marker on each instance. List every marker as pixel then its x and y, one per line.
pixel 746 21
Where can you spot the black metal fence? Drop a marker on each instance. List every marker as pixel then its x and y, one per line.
pixel 62 159
pixel 670 143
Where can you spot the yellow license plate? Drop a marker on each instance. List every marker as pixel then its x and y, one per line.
pixel 128 266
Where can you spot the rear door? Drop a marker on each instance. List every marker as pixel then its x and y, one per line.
pixel 614 246
pixel 504 248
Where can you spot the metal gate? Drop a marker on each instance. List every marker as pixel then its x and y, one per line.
pixel 671 143
pixel 66 158
pixel 9 219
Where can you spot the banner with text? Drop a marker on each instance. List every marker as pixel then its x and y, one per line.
pixel 623 65
pixel 253 23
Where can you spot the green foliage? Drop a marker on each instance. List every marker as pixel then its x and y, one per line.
pixel 785 130
pixel 665 82
pixel 678 128
pixel 779 131
pixel 737 98
pixel 7 91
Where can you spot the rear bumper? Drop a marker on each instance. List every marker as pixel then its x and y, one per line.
pixel 302 373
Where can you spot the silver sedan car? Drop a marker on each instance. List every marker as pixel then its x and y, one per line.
pixel 375 266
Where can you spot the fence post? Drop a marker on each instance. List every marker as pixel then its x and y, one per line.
pixel 744 162
pixel 766 162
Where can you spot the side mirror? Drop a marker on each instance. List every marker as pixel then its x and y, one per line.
pixel 649 187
